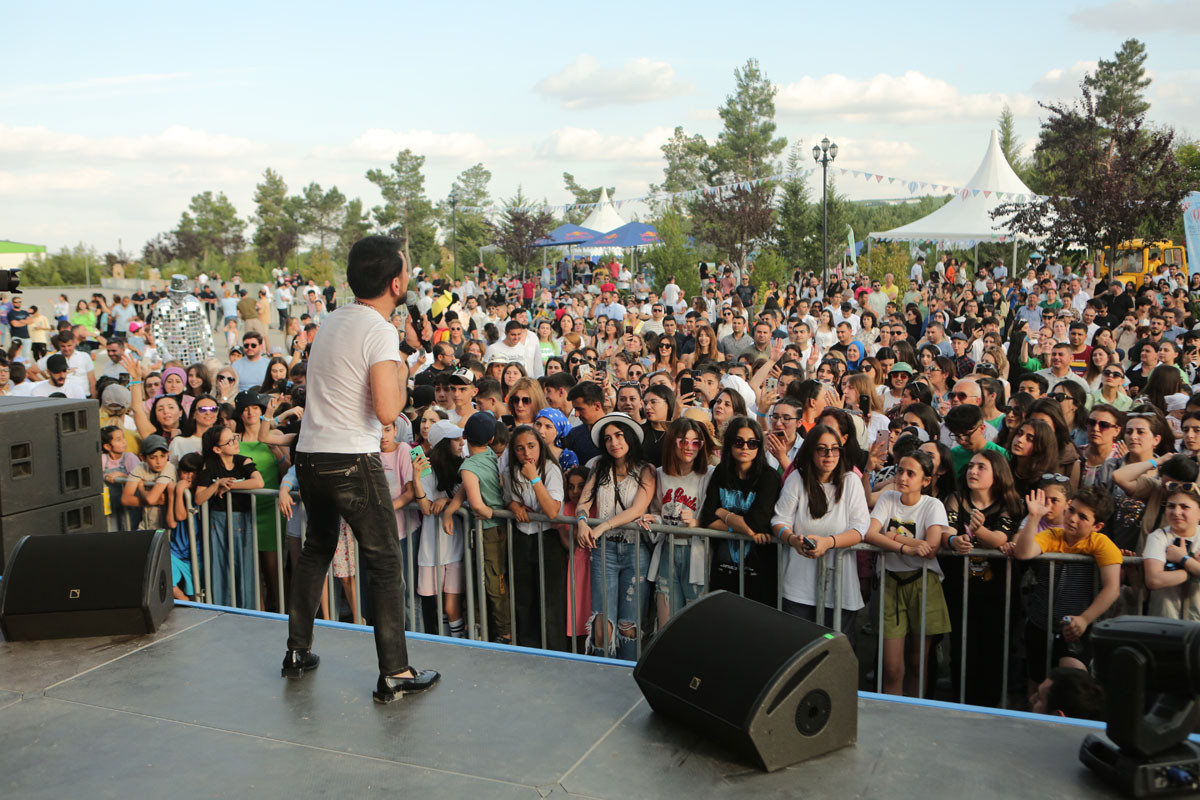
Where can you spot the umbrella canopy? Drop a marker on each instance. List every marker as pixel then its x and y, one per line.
pixel 568 234
pixel 632 234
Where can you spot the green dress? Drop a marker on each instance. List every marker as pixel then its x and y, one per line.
pixel 265 508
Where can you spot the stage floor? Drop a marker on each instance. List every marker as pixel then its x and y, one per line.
pixel 199 710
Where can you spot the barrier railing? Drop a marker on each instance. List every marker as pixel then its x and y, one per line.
pixel 654 545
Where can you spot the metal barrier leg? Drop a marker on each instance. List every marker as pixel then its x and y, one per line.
pixel 670 548
pixel 483 618
pixel 837 589
pixel 638 598
pixel 191 529
pixel 922 649
pixel 602 618
pixel 541 586
pixel 229 526
pixel 1050 619
pixel 742 567
pixel 258 606
pixel 280 555
pixel 821 588
pixel 512 595
pixel 879 632
pixel 572 603
pixel 962 671
pixel 439 576
pixel 468 580
pixel 206 528
pixel 782 557
pixel 1007 632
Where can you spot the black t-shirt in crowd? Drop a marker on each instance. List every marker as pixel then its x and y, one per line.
pixel 16 315
pixel 243 468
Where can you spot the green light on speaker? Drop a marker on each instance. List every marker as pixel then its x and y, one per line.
pixel 829 636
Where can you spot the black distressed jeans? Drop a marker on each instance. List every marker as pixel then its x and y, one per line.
pixel 352 487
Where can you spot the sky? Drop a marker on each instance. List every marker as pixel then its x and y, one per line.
pixel 112 116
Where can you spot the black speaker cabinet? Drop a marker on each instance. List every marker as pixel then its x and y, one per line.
pixel 49 452
pixel 86 584
pixel 772 687
pixel 72 516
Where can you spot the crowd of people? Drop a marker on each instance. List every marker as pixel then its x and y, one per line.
pixel 1045 410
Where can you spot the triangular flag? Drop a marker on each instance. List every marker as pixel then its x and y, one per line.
pixel 879 179
pixel 891 180
pixel 986 193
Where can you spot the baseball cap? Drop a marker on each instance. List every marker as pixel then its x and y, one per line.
pixel 116 396
pixel 153 443
pixel 443 429
pixel 462 377
pixel 57 363
pixel 421 396
pixel 901 366
pixel 960 336
pixel 480 428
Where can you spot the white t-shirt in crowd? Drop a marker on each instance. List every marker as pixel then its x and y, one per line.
pixel 79 367
pixel 69 389
pixel 339 416
pixel 850 512
pixel 911 521
pixel 525 494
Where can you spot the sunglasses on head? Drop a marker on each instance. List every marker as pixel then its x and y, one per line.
pixel 1176 487
pixel 1054 477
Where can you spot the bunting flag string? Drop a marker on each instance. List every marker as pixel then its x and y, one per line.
pixel 725 191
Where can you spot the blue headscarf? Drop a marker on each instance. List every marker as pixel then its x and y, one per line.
pixel 862 351
pixel 562 427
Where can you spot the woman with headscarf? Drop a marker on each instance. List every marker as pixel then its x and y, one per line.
pixel 551 425
pixel 174 382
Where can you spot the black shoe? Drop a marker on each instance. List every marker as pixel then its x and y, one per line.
pixel 298 662
pixel 390 688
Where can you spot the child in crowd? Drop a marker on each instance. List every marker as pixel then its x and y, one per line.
pixel 533 484
pixel 180 513
pixel 437 479
pixel 909 523
pixel 118 464
pixel 481 489
pixel 579 565
pixel 147 485
pixel 1172 571
pixel 1075 604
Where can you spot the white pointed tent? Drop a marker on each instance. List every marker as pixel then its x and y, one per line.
pixel 967 219
pixel 604 216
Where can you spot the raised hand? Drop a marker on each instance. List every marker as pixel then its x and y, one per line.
pixel 1037 504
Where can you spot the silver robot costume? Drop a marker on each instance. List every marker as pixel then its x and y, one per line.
pixel 180 326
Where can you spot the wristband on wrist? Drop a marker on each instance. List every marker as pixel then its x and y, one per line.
pixel 950 541
pixel 1182 561
pixel 902 549
pixel 1153 463
pixel 134 383
pixel 536 479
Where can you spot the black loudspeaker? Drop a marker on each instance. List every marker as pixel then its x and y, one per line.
pixel 772 687
pixel 86 584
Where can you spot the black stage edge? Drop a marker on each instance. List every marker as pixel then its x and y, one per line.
pixel 198 710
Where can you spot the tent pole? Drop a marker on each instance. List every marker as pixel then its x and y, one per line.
pixel 977 259
pixel 1014 261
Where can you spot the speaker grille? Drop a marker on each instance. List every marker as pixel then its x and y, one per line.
pixel 812 713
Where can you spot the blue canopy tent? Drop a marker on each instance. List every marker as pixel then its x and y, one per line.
pixel 567 235
pixel 631 234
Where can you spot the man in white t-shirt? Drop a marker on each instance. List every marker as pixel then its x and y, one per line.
pixel 917 272
pixel 671 292
pixel 56 383
pixel 356 385
pixel 80 367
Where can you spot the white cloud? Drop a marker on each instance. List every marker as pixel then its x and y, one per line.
pixel 1060 84
pixel 382 144
pixel 1128 17
pixel 144 82
pixel 585 144
pixel 177 141
pixel 911 97
pixel 70 180
pixel 584 83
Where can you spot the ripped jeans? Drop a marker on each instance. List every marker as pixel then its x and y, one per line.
pixel 619 592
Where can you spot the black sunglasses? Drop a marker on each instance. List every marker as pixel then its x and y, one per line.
pixel 749 444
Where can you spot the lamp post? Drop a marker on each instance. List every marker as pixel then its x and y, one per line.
pixel 454 229
pixel 824 153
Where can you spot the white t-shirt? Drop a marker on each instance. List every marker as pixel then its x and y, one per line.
pixel 339 416
pixel 670 293
pixel 69 388
pixel 525 494
pixel 911 521
pixel 851 512
pixel 79 367
pixel 440 549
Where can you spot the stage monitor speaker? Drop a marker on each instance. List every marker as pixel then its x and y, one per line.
pixel 86 584
pixel 772 687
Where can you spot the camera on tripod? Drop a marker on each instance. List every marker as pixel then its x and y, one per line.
pixel 10 279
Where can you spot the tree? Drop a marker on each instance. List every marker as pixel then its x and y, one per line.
pixel 518 228
pixel 321 213
pixel 797 227
pixel 583 196
pixel 1107 182
pixel 212 227
pixel 747 147
pixel 276 223
pixel 1010 144
pixel 674 255
pixel 356 223
pixel 468 229
pixel 159 251
pixel 406 213
pixel 1119 85
pixel 746 150
pixel 686 158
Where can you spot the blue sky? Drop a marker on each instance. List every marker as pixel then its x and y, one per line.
pixel 112 117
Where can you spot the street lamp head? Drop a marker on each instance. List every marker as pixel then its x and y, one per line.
pixel 817 153
pixel 825 144
pixel 832 151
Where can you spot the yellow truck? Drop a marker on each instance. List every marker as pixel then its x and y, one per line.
pixel 1137 260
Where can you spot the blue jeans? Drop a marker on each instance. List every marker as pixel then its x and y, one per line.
pixel 242 580
pixel 619 592
pixel 673 578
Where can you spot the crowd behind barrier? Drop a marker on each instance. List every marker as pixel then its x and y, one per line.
pixel 982 462
pixel 348 605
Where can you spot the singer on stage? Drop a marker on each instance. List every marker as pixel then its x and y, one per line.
pixel 355 387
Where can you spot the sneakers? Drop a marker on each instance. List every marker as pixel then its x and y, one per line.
pixel 298 662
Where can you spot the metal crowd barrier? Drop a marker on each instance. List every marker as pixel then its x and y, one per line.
pixel 474 605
